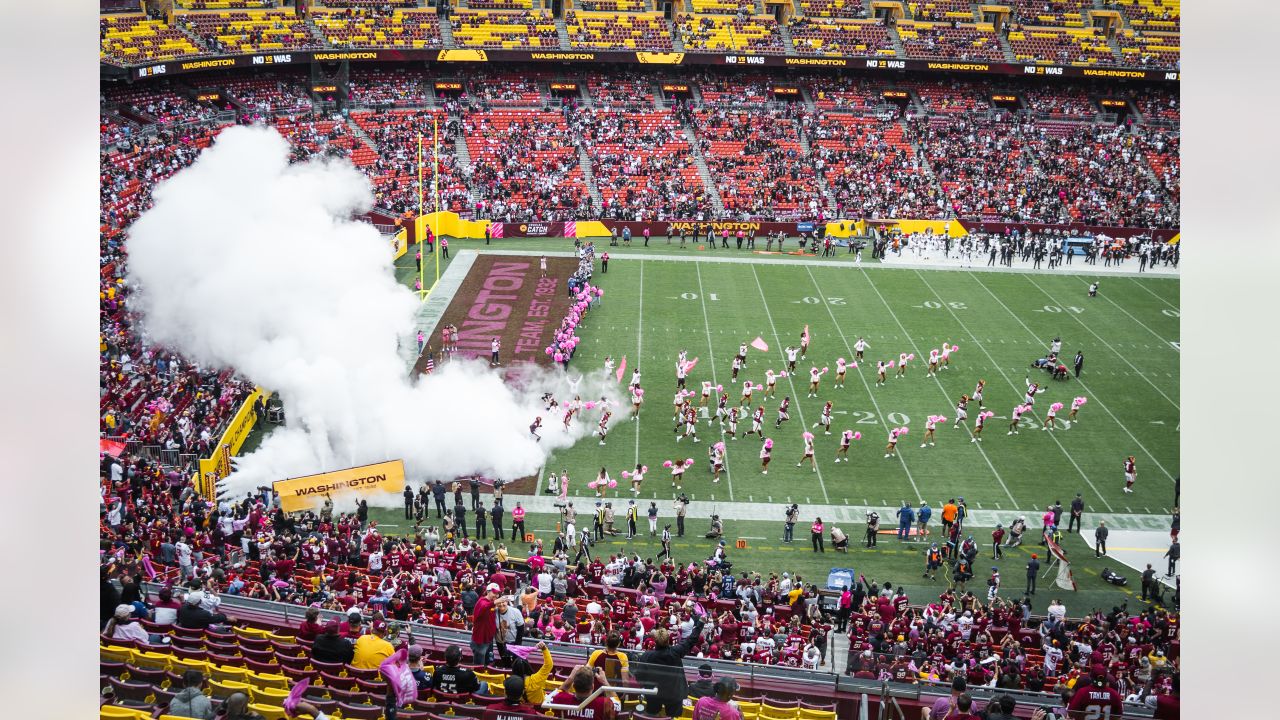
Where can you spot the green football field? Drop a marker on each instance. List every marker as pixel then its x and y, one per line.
pixel 654 308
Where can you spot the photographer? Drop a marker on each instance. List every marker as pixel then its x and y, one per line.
pixel 873 527
pixel 717 528
pixel 792 517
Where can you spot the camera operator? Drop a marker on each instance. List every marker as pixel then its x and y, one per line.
pixel 873 527
pixel 793 516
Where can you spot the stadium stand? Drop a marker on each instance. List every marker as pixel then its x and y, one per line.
pixel 370 4
pixel 604 30
pixel 1051 13
pixel 611 5
pixel 723 7
pixel 1065 47
pixel 247 31
pixel 1162 151
pixel 959 10
pixel 942 40
pixel 400 29
pixel 269 92
pixel 514 89
pixel 832 8
pixel 484 29
pixel 620 89
pixel 229 4
pixel 525 165
pixel 757 162
pixel 136 38
pixel 394 172
pixel 642 164
pixel 160 103
pixel 844 93
pixel 1138 49
pixel 1058 103
pixel 844 38
pixel 1152 15
pixel 951 97
pixel 398 87
pixel 719 33
pixel 1158 105
pixel 870 168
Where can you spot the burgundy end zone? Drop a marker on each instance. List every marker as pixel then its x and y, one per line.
pixel 504 296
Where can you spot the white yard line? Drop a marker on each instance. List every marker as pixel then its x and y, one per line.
pixel 1016 390
pixel 849 349
pixel 764 302
pixel 1083 386
pixel 1123 359
pixel 1120 307
pixel 711 357
pixel 639 349
pixel 1153 294
pixel 936 384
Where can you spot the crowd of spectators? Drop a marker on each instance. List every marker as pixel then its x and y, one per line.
pixel 525 166
pixel 374 26
pixel 646 31
pixel 395 134
pixel 840 38
pixel 621 89
pixel 161 103
pixel 740 33
pixel 398 87
pixel 1059 102
pixel 265 94
pixel 497 89
pixel 251 31
pixel 513 30
pixel 1158 104
pixel 1050 13
pixel 949 41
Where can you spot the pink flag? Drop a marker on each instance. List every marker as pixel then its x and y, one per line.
pixel 146 565
pixel 690 365
pixel 295 695
pixel 622 367
pixel 520 651
pixel 760 344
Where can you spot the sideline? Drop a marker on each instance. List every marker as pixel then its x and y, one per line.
pixel 432 309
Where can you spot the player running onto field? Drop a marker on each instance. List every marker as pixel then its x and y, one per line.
pixel 825 418
pixel 722 409
pixel 962 412
pixel 603 429
pixel 808 453
pixel 716 453
pixel 783 412
pixel 690 425
pixel 734 414
pixel 757 422
pixel 742 354
pixel 737 365
pixel 977 392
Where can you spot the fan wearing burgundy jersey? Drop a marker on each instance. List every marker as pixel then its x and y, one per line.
pixel 1096 700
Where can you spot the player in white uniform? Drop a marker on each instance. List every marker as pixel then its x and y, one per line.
pixel 682 374
pixel 736 366
pixel 808 453
pixel 608 365
pixel 766 453
pixel 792 354
pixel 635 377
pixel 859 347
pixel 742 354
pixel 962 411
pixel 677 404
pixel 841 368
pixel 717 461
pixel 825 418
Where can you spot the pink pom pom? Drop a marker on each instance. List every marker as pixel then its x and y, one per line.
pixel 857 436
pixel 613 483
pixel 807 435
pixel 1055 407
pixel 591 484
pixel 825 369
pixel 644 468
pixel 589 404
pixel 640 392
pixel 955 348
pixel 759 387
pixel 548 350
pixel 600 293
pixel 626 475
pixel 890 364
pixel 688 462
pixel 719 388
pixel 942 418
pixel 782 374
pixel 559 357
pixel 666 464
pixel 854 365
pixel 912 356
pixel 768 442
pixel 903 430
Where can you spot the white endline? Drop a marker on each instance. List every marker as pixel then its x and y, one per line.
pixel 911 340
pixel 711 356
pixel 639 348
pixel 1094 397
pixel 1016 390
pixel 865 384
pixel 1123 359
pixel 1152 294
pixel 764 302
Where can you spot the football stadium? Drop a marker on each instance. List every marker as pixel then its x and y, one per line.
pixel 451 357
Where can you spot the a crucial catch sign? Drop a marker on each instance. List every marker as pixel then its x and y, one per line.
pixel 308 492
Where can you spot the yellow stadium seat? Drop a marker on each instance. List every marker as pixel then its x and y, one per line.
pixel 817 714
pixel 268 680
pixel 116 712
pixel 224 688
pixel 115 653
pixel 229 673
pixel 148 659
pixel 268 695
pixel 270 712
pixel 776 713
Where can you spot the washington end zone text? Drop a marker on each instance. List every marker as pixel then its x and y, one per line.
pixel 513 303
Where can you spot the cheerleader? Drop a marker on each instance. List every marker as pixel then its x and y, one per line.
pixel 635 377
pixel 747 389
pixel 637 477
pixel 891 450
pixel 677 473
pixel 825 418
pixel 734 414
pixel 637 398
pixel 770 383
pixel 1076 404
pixel 682 357
pixel 881 367
pixel 1130 474
pixel 677 406
pixel 808 453
pixel 690 424
pixel 783 415
pixel 1032 389
pixel 962 411
pixel 930 424
pixel 603 430
pixel 716 453
pixel 742 354
pixel 859 347
pixel 602 482
pixel 766 454
pixel 841 368
pixel 685 405
pixel 842 453
pixel 792 354
pixel 977 393
pixel 757 422
pixel 1017 415
pixel 682 373
pixel 902 365
pixel 1050 418
pixel 721 409
pixel 608 365
pixel 814 376
pixel 804 342
pixel 945 357
pixel 933 363
pixel 978 423
pixel 737 365
pixel 706 393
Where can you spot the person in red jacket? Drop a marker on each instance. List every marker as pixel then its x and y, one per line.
pixel 484 626
pixel 1096 699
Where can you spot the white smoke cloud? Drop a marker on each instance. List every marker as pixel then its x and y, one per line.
pixel 248 262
